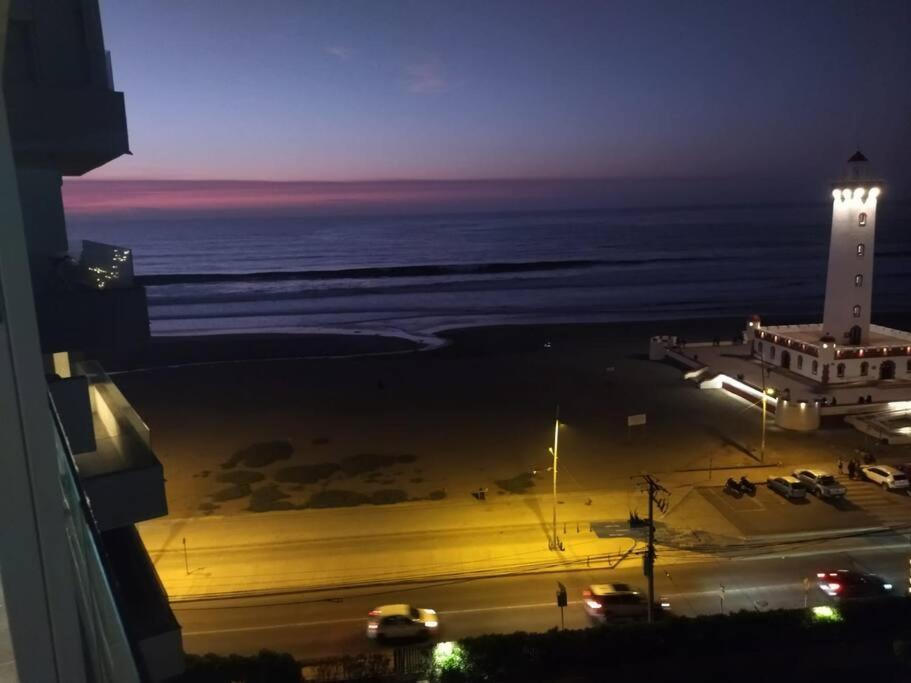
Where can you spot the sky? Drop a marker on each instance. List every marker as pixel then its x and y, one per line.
pixel 763 99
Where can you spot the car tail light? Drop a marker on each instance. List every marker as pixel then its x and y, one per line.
pixel 594 604
pixel 820 575
pixel 431 624
pixel 373 613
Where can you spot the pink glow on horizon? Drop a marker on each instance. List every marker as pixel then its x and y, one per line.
pixel 112 197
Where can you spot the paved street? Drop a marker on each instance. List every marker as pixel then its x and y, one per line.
pixel 313 625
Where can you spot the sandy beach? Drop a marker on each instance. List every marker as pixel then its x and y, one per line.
pixel 250 435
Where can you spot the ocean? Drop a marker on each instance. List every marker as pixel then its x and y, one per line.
pixel 414 275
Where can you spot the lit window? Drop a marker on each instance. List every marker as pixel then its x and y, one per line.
pixel 858 280
pixel 799 362
pixel 862 219
pixel 840 369
pixel 860 249
pixel 815 366
pixel 864 369
pixel 857 311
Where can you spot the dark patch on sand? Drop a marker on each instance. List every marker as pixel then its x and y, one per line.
pixel 231 493
pixel 306 474
pixel 240 477
pixel 268 498
pixel 362 463
pixel 260 454
pixel 520 483
pixel 208 508
pixel 438 494
pixel 338 498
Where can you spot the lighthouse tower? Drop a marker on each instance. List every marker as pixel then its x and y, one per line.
pixel 849 281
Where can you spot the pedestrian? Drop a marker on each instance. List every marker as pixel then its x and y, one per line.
pixel 852 469
pixel 841 465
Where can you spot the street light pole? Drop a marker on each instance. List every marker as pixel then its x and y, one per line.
pixel 765 393
pixel 555 452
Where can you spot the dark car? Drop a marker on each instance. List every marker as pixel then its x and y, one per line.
pixel 846 584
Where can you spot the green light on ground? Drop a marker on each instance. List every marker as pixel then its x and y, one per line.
pixel 448 656
pixel 826 613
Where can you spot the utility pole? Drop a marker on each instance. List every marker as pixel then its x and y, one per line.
pixel 556 544
pixel 648 561
pixel 762 444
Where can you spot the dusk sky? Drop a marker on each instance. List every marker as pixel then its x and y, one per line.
pixel 764 95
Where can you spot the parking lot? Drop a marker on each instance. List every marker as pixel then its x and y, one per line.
pixel 865 506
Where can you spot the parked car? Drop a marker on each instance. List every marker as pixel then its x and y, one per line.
pixel 789 487
pixel 401 621
pixel 820 483
pixel 886 476
pixel 605 602
pixel 845 584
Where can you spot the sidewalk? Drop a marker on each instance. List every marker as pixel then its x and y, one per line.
pixel 313 549
pixel 449 539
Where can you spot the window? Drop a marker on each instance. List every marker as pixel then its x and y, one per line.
pixel 759 346
pixel 857 311
pixel 772 352
pixel 860 249
pixel 840 369
pixel 799 362
pixel 815 366
pixel 862 219
pixel 858 280
pixel 864 369
pixel 908 367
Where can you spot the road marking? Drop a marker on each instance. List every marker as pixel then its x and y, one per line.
pixel 348 620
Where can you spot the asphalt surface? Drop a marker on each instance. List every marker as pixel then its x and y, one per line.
pixel 314 625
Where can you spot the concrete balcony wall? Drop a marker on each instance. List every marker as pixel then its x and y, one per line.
pixel 70 130
pixel 122 477
pixel 146 611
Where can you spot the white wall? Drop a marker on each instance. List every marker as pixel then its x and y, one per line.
pixel 845 265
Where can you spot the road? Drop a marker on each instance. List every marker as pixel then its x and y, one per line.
pixel 314 625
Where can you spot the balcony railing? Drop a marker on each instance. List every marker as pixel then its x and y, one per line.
pixel 109 655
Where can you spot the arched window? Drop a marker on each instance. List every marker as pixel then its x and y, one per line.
pixel 862 219
pixel 840 370
pixel 857 311
pixel 864 369
pixel 799 362
pixel 815 366
pixel 858 280
pixel 860 249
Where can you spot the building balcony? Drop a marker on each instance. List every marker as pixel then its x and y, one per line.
pixel 130 634
pixel 72 130
pixel 121 475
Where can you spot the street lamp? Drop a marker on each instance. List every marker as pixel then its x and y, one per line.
pixel 766 391
pixel 555 543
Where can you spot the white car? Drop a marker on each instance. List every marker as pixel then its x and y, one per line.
pixel 821 483
pixel 886 476
pixel 401 621
pixel 618 601
pixel 789 487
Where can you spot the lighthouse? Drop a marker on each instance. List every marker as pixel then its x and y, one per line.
pixel 849 279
